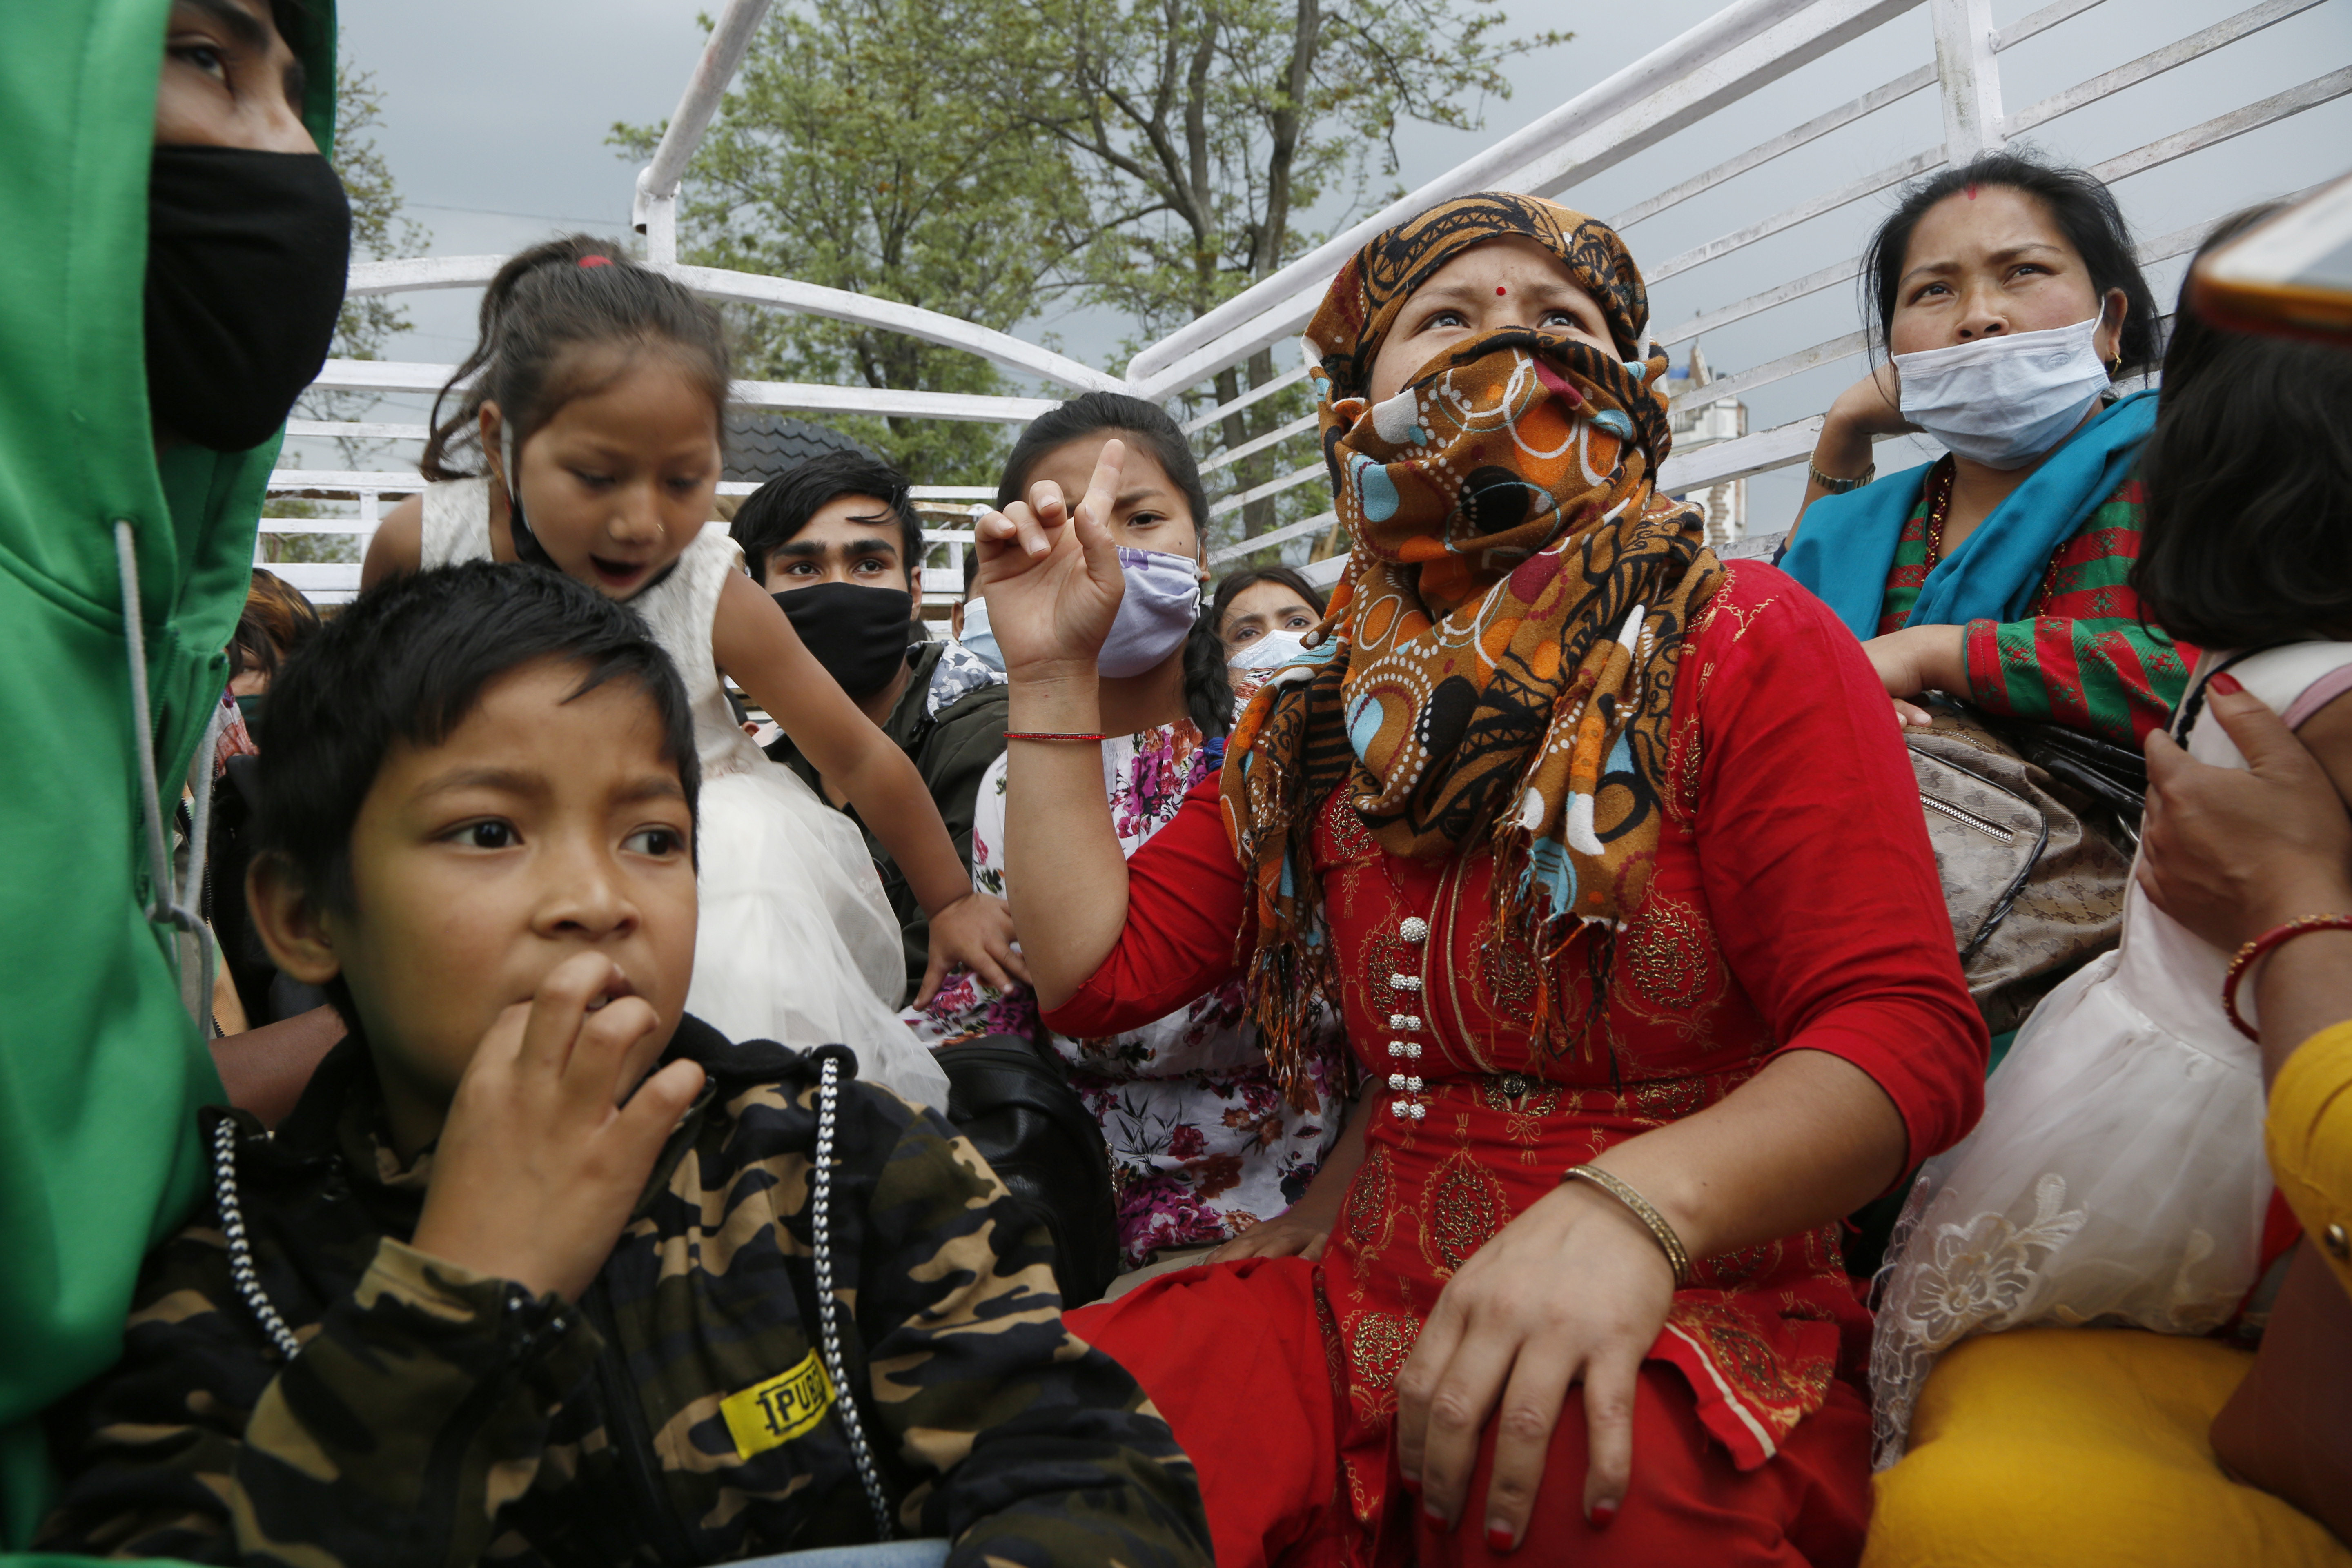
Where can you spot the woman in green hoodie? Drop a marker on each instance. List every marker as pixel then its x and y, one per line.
pixel 181 258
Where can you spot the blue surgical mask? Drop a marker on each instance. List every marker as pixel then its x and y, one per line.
pixel 977 638
pixel 1162 600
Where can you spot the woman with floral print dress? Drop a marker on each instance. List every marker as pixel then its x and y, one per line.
pixel 1204 1146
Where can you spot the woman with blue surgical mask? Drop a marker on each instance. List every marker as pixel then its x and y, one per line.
pixel 2006 302
pixel 1204 1144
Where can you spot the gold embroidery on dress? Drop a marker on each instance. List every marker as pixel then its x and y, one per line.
pixel 1669 952
pixel 1663 1099
pixel 1729 1270
pixel 1746 615
pixel 1385 953
pixel 1368 1215
pixel 1686 774
pixel 1465 1207
pixel 1776 1391
pixel 1379 1344
pixel 1349 839
pixel 1507 975
pixel 1528 1104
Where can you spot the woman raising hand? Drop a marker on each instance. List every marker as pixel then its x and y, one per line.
pixel 1544 814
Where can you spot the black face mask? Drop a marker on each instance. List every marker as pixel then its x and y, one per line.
pixel 247 254
pixel 860 634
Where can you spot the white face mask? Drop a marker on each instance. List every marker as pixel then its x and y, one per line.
pixel 1272 650
pixel 977 636
pixel 2004 400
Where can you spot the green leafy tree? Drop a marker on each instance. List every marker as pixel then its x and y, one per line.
pixel 380 231
pixel 852 153
pixel 1208 131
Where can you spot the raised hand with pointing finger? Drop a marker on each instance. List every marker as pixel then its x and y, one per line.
pixel 1050 573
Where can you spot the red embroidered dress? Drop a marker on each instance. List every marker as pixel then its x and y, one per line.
pixel 1795 905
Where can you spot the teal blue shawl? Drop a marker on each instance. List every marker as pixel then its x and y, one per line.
pixel 1845 547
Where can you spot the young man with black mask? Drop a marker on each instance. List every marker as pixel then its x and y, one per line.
pixel 182 265
pixel 838 545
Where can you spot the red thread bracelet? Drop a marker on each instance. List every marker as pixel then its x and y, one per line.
pixel 2261 947
pixel 1049 735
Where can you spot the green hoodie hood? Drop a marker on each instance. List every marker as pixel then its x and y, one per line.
pixel 101 1068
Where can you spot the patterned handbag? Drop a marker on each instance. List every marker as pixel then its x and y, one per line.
pixel 2035 890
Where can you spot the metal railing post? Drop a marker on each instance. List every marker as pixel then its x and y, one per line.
pixel 655 217
pixel 1969 78
pixel 655 211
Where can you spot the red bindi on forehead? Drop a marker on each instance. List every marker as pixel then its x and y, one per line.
pixel 1500 289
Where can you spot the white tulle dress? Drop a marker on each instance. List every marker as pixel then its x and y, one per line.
pixel 2117 1176
pixel 796 941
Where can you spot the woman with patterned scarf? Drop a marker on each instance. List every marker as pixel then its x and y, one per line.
pixel 1609 856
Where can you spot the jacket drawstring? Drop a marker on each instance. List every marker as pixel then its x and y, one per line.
pixel 828 1310
pixel 240 1248
pixel 170 904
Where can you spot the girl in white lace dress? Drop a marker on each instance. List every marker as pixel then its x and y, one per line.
pixel 2118 1177
pixel 596 396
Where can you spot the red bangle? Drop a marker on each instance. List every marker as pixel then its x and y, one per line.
pixel 2261 947
pixel 1049 735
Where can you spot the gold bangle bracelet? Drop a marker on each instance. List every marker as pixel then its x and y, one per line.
pixel 1655 1223
pixel 1840 487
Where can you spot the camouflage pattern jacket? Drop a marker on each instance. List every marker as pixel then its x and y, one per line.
pixel 680 1414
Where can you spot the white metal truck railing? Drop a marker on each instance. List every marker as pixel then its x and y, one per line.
pixel 1712 67
pixel 1687 82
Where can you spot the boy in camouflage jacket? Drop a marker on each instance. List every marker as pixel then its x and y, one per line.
pixel 541 1269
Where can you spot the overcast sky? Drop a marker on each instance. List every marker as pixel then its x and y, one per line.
pixel 496 110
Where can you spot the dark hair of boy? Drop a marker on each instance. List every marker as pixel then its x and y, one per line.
pixel 2078 202
pixel 773 515
pixel 547 304
pixel 277 620
pixel 1208 690
pixel 2247 543
pixel 1236 583
pixel 405 663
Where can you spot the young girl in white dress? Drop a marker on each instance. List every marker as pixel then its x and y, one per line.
pixel 596 396
pixel 2118 1177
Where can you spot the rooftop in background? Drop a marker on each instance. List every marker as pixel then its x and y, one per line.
pixel 763 445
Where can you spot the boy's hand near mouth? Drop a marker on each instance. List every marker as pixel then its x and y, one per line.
pixel 546 1150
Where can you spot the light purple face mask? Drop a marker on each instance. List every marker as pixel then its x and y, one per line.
pixel 1162 602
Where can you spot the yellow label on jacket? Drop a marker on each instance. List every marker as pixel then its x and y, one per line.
pixel 772 1413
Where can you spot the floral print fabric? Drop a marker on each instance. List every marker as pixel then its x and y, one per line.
pixel 1203 1143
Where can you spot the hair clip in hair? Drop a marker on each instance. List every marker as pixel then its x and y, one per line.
pixel 595 261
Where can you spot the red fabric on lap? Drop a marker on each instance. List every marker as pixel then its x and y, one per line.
pixel 1233 1356
pixel 1245 1370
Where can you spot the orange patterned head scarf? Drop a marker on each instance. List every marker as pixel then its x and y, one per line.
pixel 1499 657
